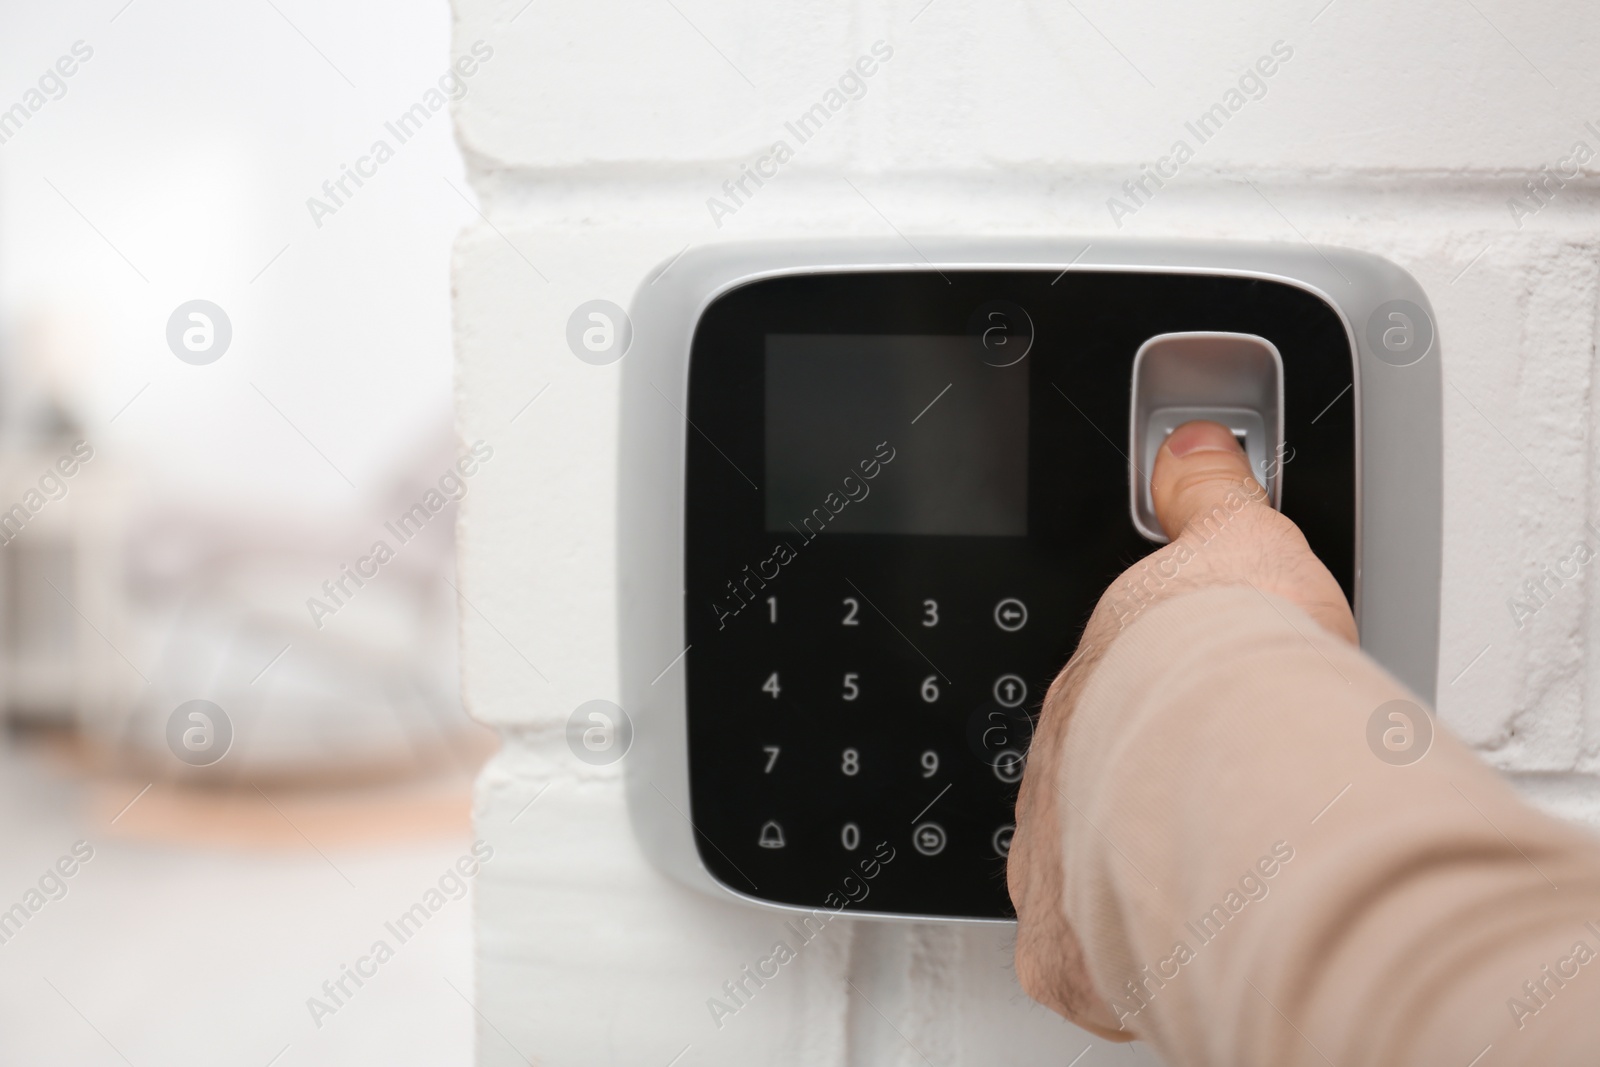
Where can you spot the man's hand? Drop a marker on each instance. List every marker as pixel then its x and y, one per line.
pixel 1223 532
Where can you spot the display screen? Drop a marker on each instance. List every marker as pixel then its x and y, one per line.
pixel 894 434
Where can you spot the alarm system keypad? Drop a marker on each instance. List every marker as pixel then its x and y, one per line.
pixel 872 714
pixel 893 539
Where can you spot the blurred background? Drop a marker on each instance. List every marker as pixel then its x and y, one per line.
pixel 186 490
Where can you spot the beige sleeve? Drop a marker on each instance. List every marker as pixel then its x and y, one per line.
pixel 1254 885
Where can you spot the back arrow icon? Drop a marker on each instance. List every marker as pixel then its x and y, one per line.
pixel 1011 614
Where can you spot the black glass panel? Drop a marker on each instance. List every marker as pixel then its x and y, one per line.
pixel 893 541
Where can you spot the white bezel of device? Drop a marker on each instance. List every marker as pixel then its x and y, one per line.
pixel 1398 413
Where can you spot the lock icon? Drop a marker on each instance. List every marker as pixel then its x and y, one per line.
pixel 771 835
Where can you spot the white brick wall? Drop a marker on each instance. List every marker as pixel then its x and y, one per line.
pixel 594 140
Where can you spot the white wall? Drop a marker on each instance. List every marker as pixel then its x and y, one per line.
pixel 594 149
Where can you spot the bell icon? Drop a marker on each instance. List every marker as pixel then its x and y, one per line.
pixel 771 835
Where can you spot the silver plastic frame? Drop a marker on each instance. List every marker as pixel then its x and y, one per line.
pixel 1399 498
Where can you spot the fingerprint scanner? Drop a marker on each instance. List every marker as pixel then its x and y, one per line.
pixel 1235 379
